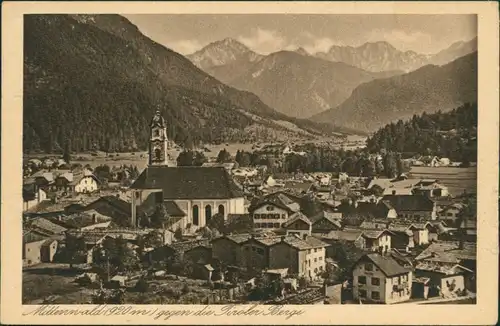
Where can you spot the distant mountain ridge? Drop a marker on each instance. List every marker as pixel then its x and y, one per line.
pixel 293 82
pixel 430 88
pixel 221 53
pixel 300 85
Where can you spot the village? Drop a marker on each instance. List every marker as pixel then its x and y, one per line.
pixel 224 233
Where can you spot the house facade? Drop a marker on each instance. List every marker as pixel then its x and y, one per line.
pixel 381 279
pixel 413 207
pixel 302 256
pixel 269 215
pixel 86 184
pixel 32 196
pixel 299 225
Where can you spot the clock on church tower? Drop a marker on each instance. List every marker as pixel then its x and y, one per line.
pixel 158 141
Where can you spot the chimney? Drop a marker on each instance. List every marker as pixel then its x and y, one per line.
pixel 94 219
pixel 304 236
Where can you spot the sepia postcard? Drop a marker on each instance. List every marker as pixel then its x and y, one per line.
pixel 250 163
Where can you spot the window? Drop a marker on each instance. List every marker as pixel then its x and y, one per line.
pixel 362 293
pixel 315 260
pixel 269 225
pixel 208 212
pixel 321 268
pixel 375 295
pixel 276 225
pixel 157 154
pixel 369 267
pixel 449 214
pixel 221 210
pixel 256 225
pixel 320 258
pixel 375 281
pixel 361 279
pixel 260 251
pixel 270 208
pixel 283 216
pixel 315 250
pixel 196 215
pixel 316 270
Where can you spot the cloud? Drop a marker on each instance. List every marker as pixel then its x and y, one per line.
pixel 186 46
pixel 404 41
pixel 314 44
pixel 264 41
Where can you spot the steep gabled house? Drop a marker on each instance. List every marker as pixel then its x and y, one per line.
pixel 298 224
pixel 381 279
pixel 325 222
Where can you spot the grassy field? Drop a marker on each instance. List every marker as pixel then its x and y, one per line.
pixel 55 281
pixel 456 179
pixel 140 158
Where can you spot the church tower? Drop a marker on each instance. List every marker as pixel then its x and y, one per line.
pixel 158 141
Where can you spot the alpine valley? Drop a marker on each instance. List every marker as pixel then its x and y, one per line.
pixel 334 86
pixel 93 81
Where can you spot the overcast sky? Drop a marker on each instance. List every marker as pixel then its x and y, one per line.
pixel 269 33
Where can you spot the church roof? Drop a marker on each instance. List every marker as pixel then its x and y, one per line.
pixel 189 182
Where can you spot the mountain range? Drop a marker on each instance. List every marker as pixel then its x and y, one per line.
pixel 94 81
pixel 301 84
pixel 427 89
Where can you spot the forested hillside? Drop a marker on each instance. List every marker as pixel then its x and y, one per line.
pixel 94 81
pixel 452 134
pixel 428 89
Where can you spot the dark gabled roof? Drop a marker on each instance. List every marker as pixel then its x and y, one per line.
pixel 264 201
pixel 410 202
pixel 149 204
pixel 374 234
pixel 189 245
pixel 324 215
pixel 173 209
pixel 236 238
pixel 189 182
pixel 114 201
pixel 33 236
pixel 387 264
pixel 296 217
pixel 45 226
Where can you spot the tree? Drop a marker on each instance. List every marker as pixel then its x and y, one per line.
pixel 67 154
pixel 224 156
pixel 244 160
pixel 199 159
pixel 185 158
pixel 75 248
pixel 160 217
pixel 390 165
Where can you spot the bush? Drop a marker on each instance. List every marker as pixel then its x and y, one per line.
pixel 185 288
pixel 142 285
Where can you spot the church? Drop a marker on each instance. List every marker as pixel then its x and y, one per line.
pixel 197 193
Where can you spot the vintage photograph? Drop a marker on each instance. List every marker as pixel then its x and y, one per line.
pixel 281 159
